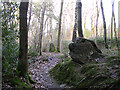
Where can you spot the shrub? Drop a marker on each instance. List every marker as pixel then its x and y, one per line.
pixel 32 52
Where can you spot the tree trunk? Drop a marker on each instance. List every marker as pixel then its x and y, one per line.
pixel 50 21
pixel 59 31
pixel 92 28
pixel 30 15
pixel 41 27
pixel 97 20
pixel 79 17
pixel 112 22
pixel 119 28
pixel 117 43
pixel 23 62
pixel 75 26
pixel 104 25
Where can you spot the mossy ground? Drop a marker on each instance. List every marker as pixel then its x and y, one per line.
pixel 18 83
pixel 103 74
pixel 15 82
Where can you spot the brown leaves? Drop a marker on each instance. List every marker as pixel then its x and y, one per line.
pixel 38 71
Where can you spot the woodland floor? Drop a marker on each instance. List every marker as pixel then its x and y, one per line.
pixel 39 70
pixel 39 67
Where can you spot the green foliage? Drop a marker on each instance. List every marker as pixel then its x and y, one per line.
pixel 9 37
pixel 100 41
pixel 110 52
pixel 65 44
pixel 87 33
pixel 18 72
pixel 65 55
pixel 32 52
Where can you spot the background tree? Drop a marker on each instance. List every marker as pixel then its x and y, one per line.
pixel 30 12
pixel 59 31
pixel 104 25
pixel 112 22
pixel 75 25
pixel 23 61
pixel 41 27
pixel 97 19
pixel 119 29
pixel 79 17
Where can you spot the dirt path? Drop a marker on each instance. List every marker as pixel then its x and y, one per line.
pixel 39 71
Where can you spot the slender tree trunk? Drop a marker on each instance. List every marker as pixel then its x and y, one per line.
pixel 30 15
pixel 104 25
pixel 75 26
pixel 41 27
pixel 112 23
pixel 97 20
pixel 79 17
pixel 59 31
pixel 92 28
pixel 85 23
pixel 23 62
pixel 119 28
pixel 117 44
pixel 50 21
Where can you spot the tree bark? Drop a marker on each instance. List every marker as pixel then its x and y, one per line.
pixel 92 27
pixel 75 26
pixel 112 22
pixel 104 25
pixel 50 21
pixel 117 43
pixel 41 27
pixel 59 31
pixel 97 19
pixel 23 62
pixel 79 17
pixel 119 28
pixel 30 15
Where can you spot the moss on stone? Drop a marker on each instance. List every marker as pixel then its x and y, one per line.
pixel 88 75
pixel 64 72
pixel 52 47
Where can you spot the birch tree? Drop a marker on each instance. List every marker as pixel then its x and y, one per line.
pixel 59 31
pixel 97 19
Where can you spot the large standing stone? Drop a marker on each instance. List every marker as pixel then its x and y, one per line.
pixel 84 51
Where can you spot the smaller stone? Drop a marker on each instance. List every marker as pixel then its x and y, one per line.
pixel 62 85
pixel 52 47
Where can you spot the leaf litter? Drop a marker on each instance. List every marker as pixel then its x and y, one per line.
pixel 38 70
